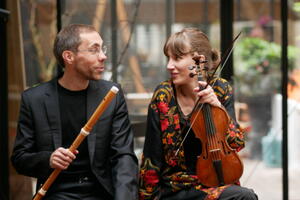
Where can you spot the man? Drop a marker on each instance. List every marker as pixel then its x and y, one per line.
pixel 52 114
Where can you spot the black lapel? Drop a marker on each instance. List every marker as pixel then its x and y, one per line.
pixel 95 94
pixel 52 109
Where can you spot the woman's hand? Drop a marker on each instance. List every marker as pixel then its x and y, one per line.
pixel 61 158
pixel 207 95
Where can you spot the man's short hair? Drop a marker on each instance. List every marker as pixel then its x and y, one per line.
pixel 69 39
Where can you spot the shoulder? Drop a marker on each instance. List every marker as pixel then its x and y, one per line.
pixel 222 89
pixel 222 86
pixel 107 83
pixel 40 88
pixel 104 86
pixel 163 92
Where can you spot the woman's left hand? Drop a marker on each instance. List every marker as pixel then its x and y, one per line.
pixel 207 95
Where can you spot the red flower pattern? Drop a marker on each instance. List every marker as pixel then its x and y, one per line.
pixel 172 162
pixel 164 124
pixel 231 126
pixel 151 177
pixel 176 121
pixel 163 107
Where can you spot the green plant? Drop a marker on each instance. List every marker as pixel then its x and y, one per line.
pixel 257 66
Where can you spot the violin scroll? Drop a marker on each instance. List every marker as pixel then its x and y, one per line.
pixel 199 66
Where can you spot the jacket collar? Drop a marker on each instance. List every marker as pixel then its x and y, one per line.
pixel 95 94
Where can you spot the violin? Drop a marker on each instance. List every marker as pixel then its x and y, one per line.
pixel 218 164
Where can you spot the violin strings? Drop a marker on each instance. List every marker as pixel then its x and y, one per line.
pixel 211 134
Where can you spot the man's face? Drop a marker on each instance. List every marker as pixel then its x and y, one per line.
pixel 90 58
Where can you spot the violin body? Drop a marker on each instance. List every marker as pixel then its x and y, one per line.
pixel 218 163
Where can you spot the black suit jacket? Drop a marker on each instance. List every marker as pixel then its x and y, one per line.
pixel 110 143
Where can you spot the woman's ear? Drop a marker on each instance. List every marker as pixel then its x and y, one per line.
pixel 68 57
pixel 196 54
pixel 202 57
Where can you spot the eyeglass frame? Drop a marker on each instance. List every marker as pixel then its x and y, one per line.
pixel 95 51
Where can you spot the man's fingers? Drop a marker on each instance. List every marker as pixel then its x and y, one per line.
pixel 67 153
pixel 61 158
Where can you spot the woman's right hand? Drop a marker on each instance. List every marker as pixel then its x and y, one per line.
pixel 207 95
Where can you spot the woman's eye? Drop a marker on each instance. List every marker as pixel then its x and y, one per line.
pixel 178 58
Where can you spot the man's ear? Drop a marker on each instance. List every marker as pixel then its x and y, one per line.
pixel 68 56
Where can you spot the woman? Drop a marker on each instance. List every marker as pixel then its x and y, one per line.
pixel 168 169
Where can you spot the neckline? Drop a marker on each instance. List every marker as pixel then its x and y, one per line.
pixel 71 92
pixel 184 116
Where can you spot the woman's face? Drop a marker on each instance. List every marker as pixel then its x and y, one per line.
pixel 179 69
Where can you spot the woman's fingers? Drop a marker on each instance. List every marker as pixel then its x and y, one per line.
pixel 207 95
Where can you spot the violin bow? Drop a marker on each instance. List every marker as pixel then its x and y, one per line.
pixel 223 60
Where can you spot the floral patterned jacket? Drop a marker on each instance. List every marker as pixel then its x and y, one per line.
pixel 160 172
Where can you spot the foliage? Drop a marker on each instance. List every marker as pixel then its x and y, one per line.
pixel 258 64
pixel 296 7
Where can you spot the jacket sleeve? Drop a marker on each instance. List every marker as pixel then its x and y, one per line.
pixel 235 134
pixel 25 157
pixel 123 158
pixel 149 180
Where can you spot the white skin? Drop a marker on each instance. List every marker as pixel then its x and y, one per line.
pixel 187 88
pixel 80 67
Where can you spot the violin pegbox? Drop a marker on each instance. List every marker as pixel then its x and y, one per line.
pixel 200 68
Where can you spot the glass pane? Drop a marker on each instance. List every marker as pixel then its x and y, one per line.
pixel 38 21
pixel 294 98
pixel 140 36
pixel 93 12
pixel 39 29
pixel 257 77
pixel 193 13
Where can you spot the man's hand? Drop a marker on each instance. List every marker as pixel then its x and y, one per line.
pixel 61 158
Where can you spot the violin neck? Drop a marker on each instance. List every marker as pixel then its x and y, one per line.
pixel 208 118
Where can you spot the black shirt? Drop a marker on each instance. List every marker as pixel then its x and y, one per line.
pixel 72 106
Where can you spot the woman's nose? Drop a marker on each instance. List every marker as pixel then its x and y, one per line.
pixel 170 65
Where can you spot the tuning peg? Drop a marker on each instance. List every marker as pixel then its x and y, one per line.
pixel 192 75
pixel 192 67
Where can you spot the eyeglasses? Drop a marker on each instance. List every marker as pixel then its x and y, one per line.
pixel 96 51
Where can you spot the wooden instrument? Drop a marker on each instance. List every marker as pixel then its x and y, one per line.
pixel 218 163
pixel 81 136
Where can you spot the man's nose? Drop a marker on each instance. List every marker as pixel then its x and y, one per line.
pixel 102 56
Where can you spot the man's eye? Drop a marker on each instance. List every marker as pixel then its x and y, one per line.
pixel 94 50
